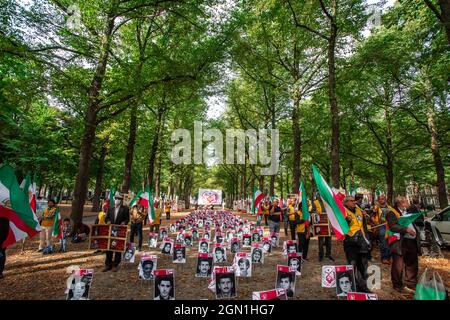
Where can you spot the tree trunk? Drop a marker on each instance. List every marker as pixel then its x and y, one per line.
pixel 440 174
pixel 335 168
pixel 82 179
pixel 158 175
pixel 261 183
pixel 99 179
pixel 154 148
pixel 297 145
pixel 445 14
pixel 389 158
pixel 272 185
pixel 126 181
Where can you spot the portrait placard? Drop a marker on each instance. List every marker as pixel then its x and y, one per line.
pixel 246 240
pixel 130 253
pixel 257 253
pixel 243 264
pixel 167 246
pixel 204 265
pixel 164 284
pixel 286 280
pixel 203 245
pixel 79 284
pixel 147 266
pixel 345 280
pixel 328 277
pixel 219 253
pixel 225 279
pixel 266 244
pixel 179 253
pixel 295 261
pixel 153 240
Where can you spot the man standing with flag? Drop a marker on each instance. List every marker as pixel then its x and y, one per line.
pixel 404 244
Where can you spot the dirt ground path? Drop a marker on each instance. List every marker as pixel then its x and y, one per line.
pixel 32 275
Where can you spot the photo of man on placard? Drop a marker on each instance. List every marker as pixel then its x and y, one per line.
pixel 179 255
pixel 219 255
pixel 204 266
pixel 164 288
pixel 286 280
pixel 244 267
pixel 146 268
pixel 203 247
pixel 225 285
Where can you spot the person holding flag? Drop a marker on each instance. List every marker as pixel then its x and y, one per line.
pixel 257 198
pixel 17 220
pixel 291 218
pixel 302 218
pixel 404 244
pixel 137 217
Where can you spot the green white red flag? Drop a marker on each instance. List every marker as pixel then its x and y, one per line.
pixel 57 225
pixel 15 207
pixel 305 212
pixel 29 189
pixel 257 197
pixel 333 206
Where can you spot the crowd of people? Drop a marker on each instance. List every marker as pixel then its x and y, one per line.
pixel 368 225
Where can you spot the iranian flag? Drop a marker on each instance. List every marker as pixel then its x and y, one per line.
pixel 305 213
pixel 29 189
pixel 112 191
pixel 404 221
pixel 257 197
pixel 15 207
pixel 133 202
pixel 57 225
pixel 150 207
pixel 333 206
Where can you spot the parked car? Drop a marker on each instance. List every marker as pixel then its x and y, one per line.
pixel 441 221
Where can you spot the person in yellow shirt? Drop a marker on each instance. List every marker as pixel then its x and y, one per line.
pixel 302 230
pixel 47 220
pixel 356 244
pixel 154 227
pixel 291 218
pixel 167 208
pixel 318 207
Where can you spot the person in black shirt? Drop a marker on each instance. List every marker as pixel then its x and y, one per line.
pixel 274 217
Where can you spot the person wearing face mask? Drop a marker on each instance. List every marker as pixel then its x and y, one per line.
pixel 404 247
pixel 119 214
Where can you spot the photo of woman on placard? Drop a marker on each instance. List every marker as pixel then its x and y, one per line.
pixel 345 283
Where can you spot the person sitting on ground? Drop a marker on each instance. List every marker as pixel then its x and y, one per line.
pixel 81 234
pixel 66 230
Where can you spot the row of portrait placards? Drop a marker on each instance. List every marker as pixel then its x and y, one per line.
pixel 231 233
